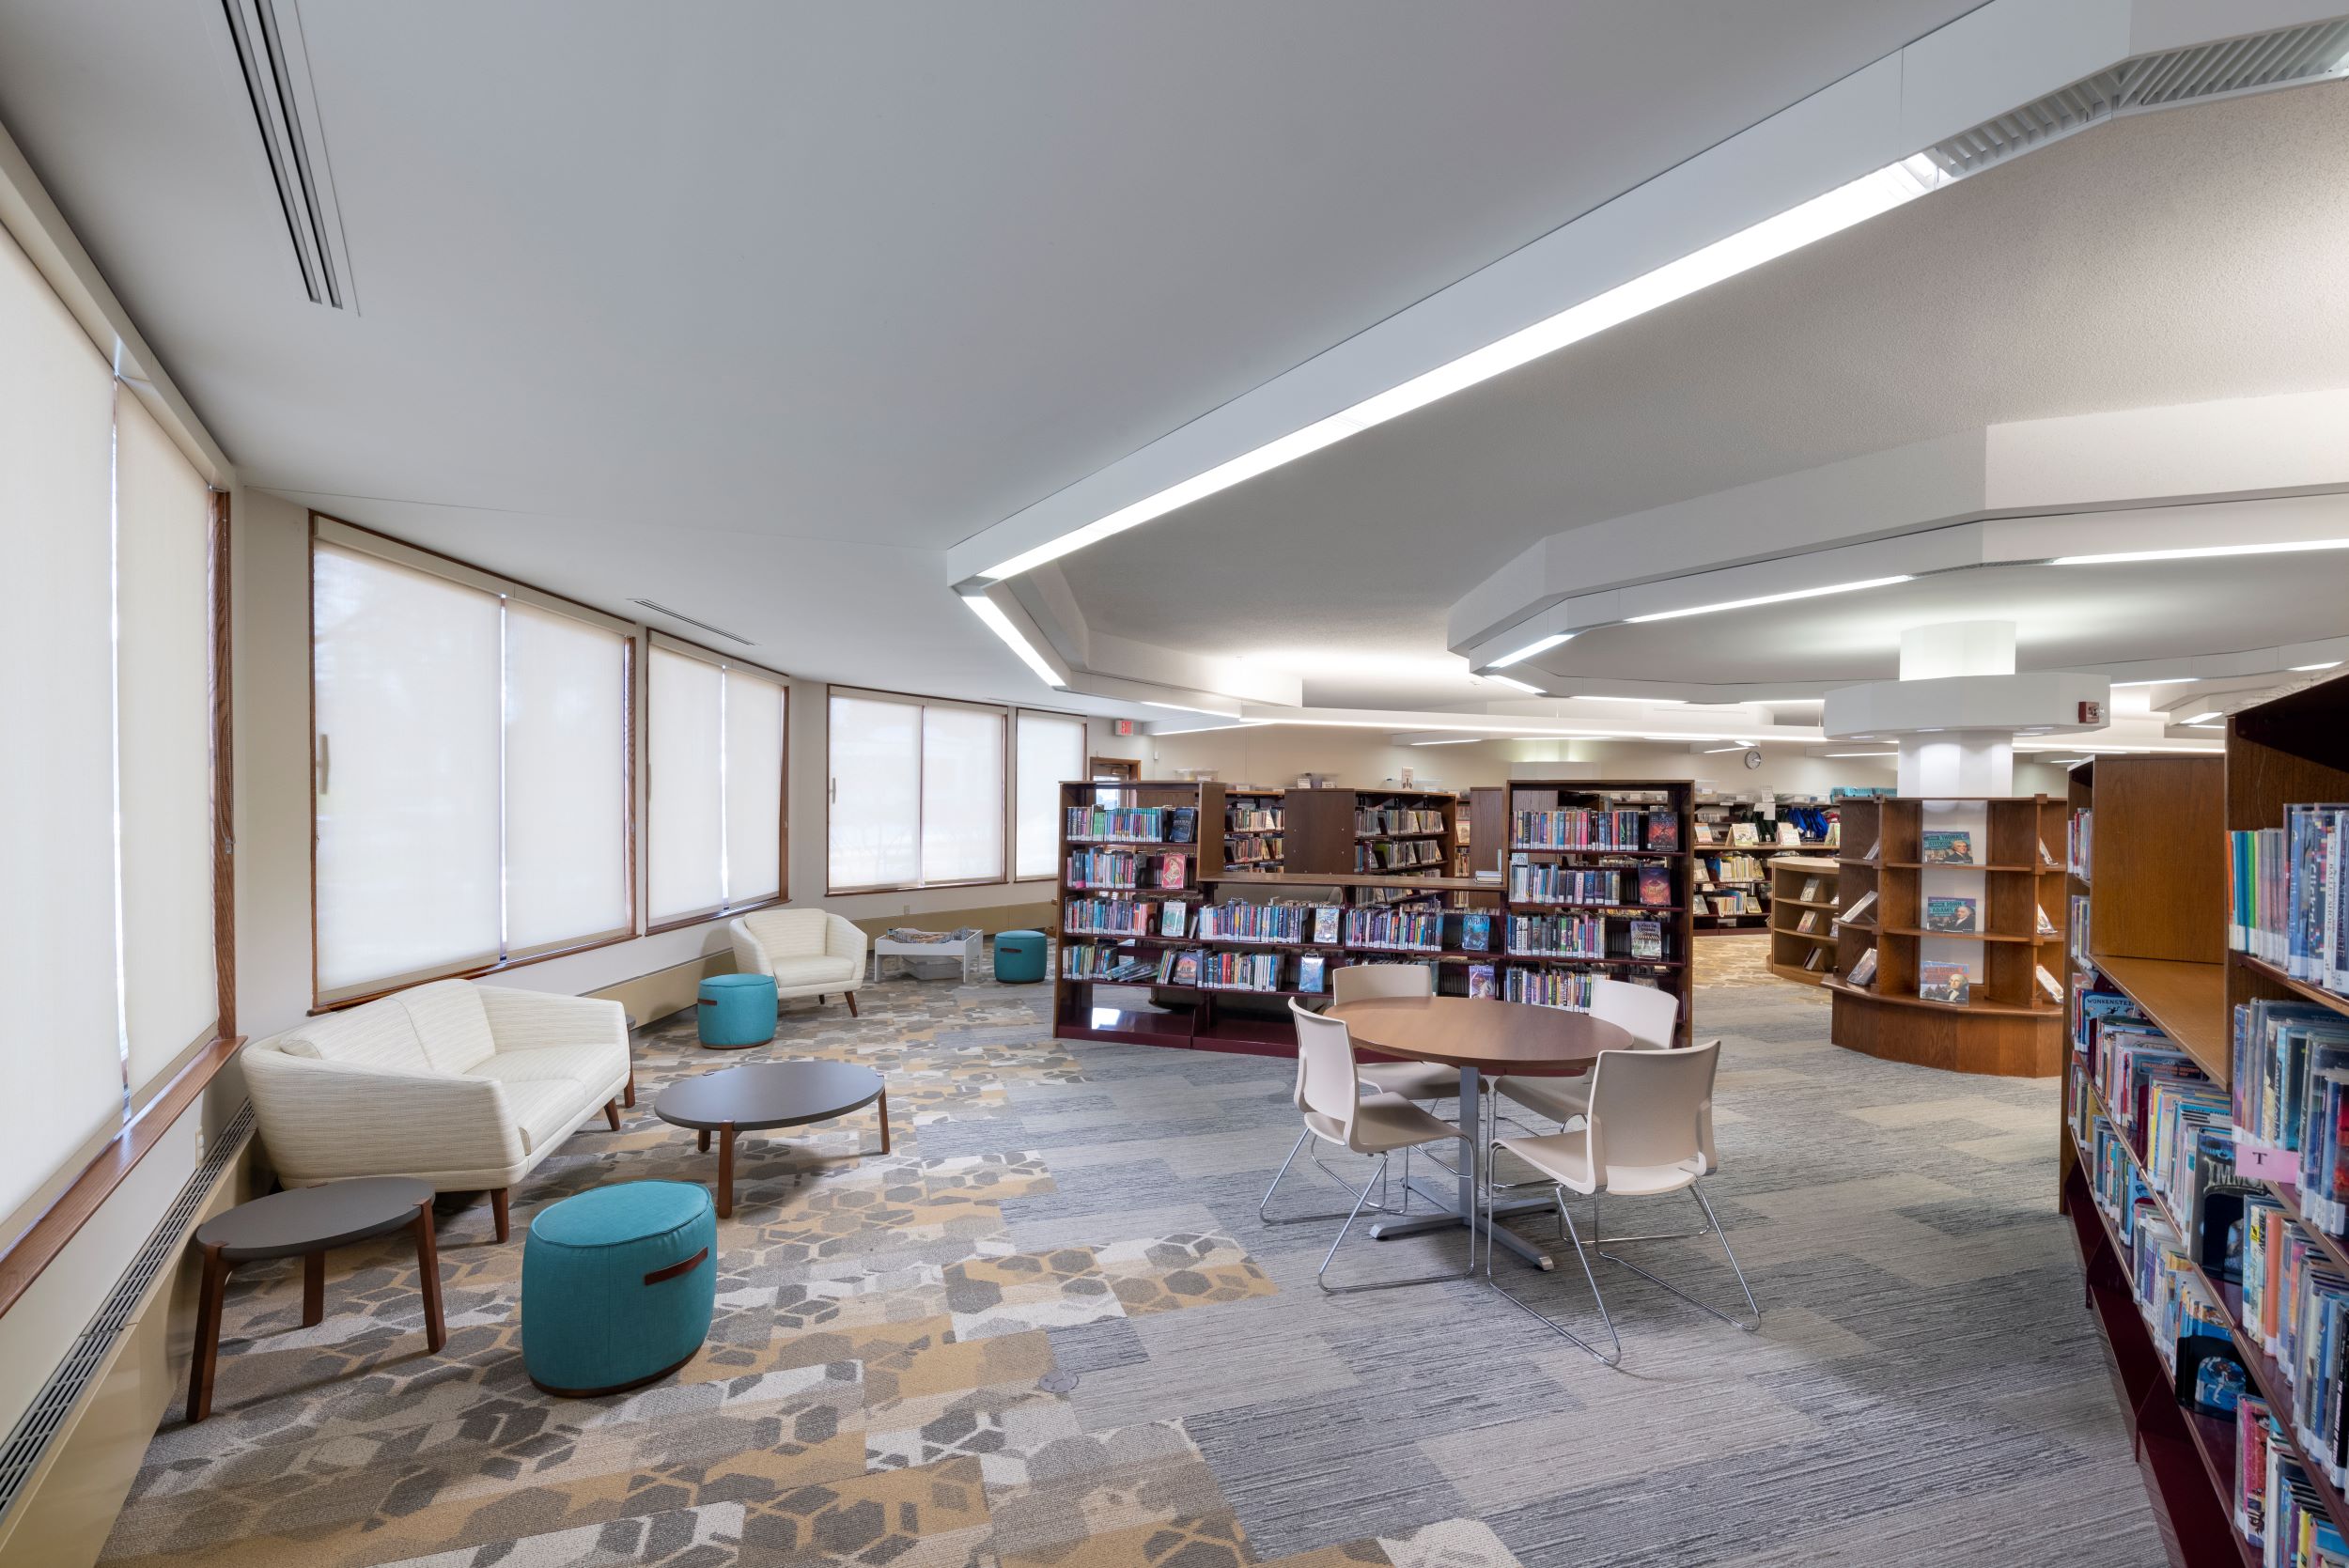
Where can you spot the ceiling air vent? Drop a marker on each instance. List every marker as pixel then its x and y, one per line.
pixel 2286 57
pixel 680 615
pixel 277 79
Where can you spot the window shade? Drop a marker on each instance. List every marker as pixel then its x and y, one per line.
pixel 406 692
pixel 60 1054
pixel 876 793
pixel 686 799
pixel 962 794
pixel 754 730
pixel 163 517
pixel 566 781
pixel 1051 752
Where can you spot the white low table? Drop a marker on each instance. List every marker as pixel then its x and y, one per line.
pixel 967 949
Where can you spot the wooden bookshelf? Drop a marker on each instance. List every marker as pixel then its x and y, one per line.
pixel 1259 849
pixel 1322 831
pixel 1791 948
pixel 2006 1026
pixel 1674 798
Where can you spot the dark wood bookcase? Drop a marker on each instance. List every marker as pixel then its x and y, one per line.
pixel 1321 836
pixel 2006 1026
pixel 1791 946
pixel 1254 849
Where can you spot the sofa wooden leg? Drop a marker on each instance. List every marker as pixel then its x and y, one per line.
pixel 851 996
pixel 611 1113
pixel 498 1196
pixel 628 1097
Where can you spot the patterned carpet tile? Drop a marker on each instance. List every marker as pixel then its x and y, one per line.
pixel 1049 1330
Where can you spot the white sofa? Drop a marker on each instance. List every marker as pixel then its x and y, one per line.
pixel 807 952
pixel 465 1086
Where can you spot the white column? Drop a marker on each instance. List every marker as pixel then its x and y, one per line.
pixel 1957 762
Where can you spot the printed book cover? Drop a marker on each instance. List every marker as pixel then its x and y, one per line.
pixel 1817 959
pixel 1742 833
pixel 1949 848
pixel 1952 914
pixel 1950 983
pixel 1863 969
pixel 1479 981
pixel 1170 871
pixel 1187 968
pixel 1476 932
pixel 1171 918
pixel 1872 850
pixel 1663 830
pixel 1325 922
pixel 1647 939
pixel 2049 984
pixel 2047 926
pixel 1655 886
pixel 1309 970
pixel 1182 824
pixel 1860 906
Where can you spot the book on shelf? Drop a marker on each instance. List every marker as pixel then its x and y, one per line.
pixel 1873 850
pixel 1811 890
pixel 1182 824
pixel 1859 907
pixel 2046 927
pixel 1647 939
pixel 1186 970
pixel 1173 916
pixel 1809 923
pixel 2286 902
pixel 2288 1061
pixel 2047 858
pixel 1663 830
pixel 1476 931
pixel 1950 983
pixel 2078 843
pixel 1171 869
pixel 1817 960
pixel 1744 834
pixel 1479 981
pixel 1326 919
pixel 1954 915
pixel 1655 886
pixel 1789 837
pixel 1863 969
pixel 1949 848
pixel 1310 968
pixel 1702 834
pixel 2050 985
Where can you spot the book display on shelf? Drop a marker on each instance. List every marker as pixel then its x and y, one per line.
pixel 1253 827
pixel 1943 911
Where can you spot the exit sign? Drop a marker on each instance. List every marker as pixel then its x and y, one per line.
pixel 1121 726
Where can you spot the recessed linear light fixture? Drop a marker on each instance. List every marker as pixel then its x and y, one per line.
pixel 1543 645
pixel 1509 681
pixel 2329 664
pixel 2198 553
pixel 1866 197
pixel 999 624
pixel 1770 599
pixel 1860 754
pixel 2200 718
pixel 2063 762
pixel 2165 680
pixel 1460 740
pixel 1716 751
pixel 1660 702
pixel 1187 707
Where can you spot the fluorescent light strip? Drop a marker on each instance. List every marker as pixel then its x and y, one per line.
pixel 1543 645
pixel 997 622
pixel 1866 197
pixel 2165 680
pixel 2199 552
pixel 1463 741
pixel 1186 708
pixel 2329 664
pixel 1860 754
pixel 1507 681
pixel 1771 598
pixel 1659 702
pixel 2063 762
pixel 2199 718
pixel 1716 751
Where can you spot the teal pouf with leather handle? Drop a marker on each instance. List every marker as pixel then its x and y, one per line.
pixel 1020 956
pixel 736 1011
pixel 618 1285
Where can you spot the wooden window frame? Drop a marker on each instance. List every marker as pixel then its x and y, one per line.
pixel 1003 878
pixel 561 603
pixel 782 833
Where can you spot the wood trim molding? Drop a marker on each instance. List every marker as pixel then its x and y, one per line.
pixel 224 778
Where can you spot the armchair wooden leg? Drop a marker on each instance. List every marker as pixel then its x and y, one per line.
pixel 313 1289
pixel 429 1279
pixel 498 1197
pixel 207 1357
pixel 611 1113
pixel 628 1097
pixel 851 996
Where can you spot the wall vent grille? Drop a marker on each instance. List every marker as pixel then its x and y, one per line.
pixel 680 615
pixel 46 1416
pixel 2284 58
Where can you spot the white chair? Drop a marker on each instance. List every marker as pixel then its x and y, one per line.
pixel 1649 1132
pixel 808 953
pixel 1413 1080
pixel 1337 1112
pixel 1650 1017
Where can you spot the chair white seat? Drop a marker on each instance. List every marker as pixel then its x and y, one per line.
pixel 1383 1122
pixel 1565 1157
pixel 813 970
pixel 1560 1099
pixel 1413 1080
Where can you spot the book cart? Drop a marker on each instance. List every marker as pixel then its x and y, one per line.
pixel 1901 952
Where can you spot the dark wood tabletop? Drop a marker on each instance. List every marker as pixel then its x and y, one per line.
pixel 1483 1033
pixel 769 1095
pixel 312 1218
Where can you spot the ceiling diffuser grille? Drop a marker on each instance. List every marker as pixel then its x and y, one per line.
pixel 680 615
pixel 2286 57
pixel 277 79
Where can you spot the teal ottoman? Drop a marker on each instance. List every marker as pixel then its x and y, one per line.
pixel 1020 956
pixel 617 1286
pixel 736 1011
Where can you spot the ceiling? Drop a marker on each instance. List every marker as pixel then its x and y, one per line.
pixel 754 308
pixel 2169 258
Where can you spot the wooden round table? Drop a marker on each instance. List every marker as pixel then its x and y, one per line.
pixel 767 1095
pixel 1478 1035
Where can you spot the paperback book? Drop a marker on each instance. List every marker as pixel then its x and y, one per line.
pixel 1860 906
pixel 1309 972
pixel 1663 830
pixel 1647 939
pixel 1655 886
pixel 1476 931
pixel 1743 833
pixel 1817 959
pixel 1182 824
pixel 1950 983
pixel 1952 914
pixel 2047 926
pixel 1863 969
pixel 1326 923
pixel 1949 848
pixel 1479 981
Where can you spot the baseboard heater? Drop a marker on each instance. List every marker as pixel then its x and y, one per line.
pixel 46 1416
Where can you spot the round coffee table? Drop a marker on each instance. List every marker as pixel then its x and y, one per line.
pixel 304 1221
pixel 767 1095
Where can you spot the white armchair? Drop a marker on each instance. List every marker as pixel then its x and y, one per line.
pixel 468 1087
pixel 808 953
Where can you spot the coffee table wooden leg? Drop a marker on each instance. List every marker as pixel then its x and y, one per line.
pixel 884 1120
pixel 429 1279
pixel 207 1357
pixel 726 1172
pixel 313 1289
pixel 702 1138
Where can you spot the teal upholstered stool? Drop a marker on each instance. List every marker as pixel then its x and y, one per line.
pixel 736 1011
pixel 617 1286
pixel 1020 956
